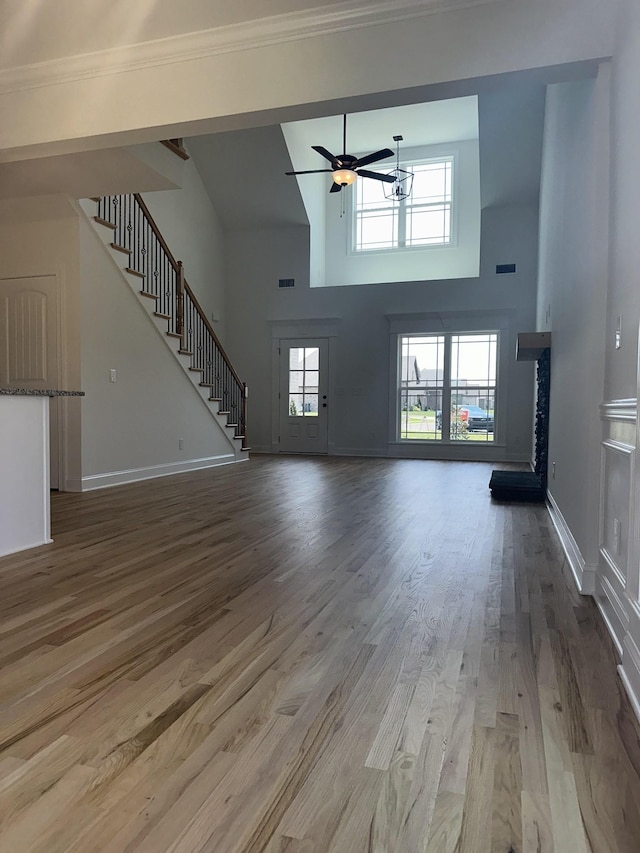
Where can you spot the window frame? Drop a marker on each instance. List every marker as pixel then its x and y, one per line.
pixel 452 157
pixel 447 389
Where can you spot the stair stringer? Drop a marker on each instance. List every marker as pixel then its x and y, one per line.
pixel 104 235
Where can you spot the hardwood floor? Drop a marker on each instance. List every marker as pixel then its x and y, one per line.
pixel 306 655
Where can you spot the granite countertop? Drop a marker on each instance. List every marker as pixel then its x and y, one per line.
pixel 38 392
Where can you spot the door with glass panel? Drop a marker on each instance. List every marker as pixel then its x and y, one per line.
pixel 303 396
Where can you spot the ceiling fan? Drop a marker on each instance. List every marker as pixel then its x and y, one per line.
pixel 346 168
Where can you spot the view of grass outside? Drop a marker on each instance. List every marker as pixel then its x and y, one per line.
pixel 418 425
pixel 451 372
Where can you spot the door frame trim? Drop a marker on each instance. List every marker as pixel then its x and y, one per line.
pixel 310 329
pixel 61 354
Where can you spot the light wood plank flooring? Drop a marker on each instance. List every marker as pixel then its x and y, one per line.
pixel 306 655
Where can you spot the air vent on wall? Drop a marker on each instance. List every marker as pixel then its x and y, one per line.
pixel 286 282
pixel 505 269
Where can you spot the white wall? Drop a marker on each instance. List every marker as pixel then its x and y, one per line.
pixel 359 406
pixel 589 261
pixel 131 428
pixel 182 88
pixel 572 297
pixel 619 573
pixel 192 230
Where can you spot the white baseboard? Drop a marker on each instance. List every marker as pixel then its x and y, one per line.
pixel 22 548
pixel 375 452
pixel 629 671
pixel 71 484
pixel 584 574
pixel 134 475
pixel 611 628
pixel 634 698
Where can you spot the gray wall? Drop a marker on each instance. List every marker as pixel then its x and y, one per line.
pixel 572 295
pixel 360 353
pixel 190 225
pixel 131 428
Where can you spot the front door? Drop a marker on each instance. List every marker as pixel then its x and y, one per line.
pixel 29 348
pixel 303 395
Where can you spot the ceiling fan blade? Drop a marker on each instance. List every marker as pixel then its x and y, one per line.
pixel 335 188
pixel 378 176
pixel 326 154
pixel 309 172
pixel 373 158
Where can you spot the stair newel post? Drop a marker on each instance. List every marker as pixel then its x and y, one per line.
pixel 245 394
pixel 180 304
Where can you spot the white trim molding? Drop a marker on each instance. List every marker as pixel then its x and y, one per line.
pixel 135 475
pixel 583 573
pixel 244 35
pixel 629 671
pixel 620 410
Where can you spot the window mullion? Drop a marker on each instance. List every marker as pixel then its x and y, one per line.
pixel 402 223
pixel 446 389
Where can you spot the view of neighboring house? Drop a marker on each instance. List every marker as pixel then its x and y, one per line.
pixel 431 379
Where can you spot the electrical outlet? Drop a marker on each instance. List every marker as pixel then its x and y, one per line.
pixel 619 331
pixel 181 444
pixel 112 374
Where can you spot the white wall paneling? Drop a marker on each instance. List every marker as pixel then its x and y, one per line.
pixel 617 581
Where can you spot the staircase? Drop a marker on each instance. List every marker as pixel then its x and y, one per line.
pixel 132 236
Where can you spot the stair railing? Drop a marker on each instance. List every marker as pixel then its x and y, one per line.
pixel 162 278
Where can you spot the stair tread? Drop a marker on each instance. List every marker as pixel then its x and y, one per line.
pixel 184 352
pixel 120 248
pixel 161 315
pixel 148 295
pixel 134 272
pixel 105 222
pixel 173 335
pixel 197 369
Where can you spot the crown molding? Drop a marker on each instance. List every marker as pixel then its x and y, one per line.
pixel 247 35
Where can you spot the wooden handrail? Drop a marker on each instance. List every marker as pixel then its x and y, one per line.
pixel 156 230
pixel 178 266
pixel 177 147
pixel 206 322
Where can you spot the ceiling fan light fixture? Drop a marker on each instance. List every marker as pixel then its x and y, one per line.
pixel 344 177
